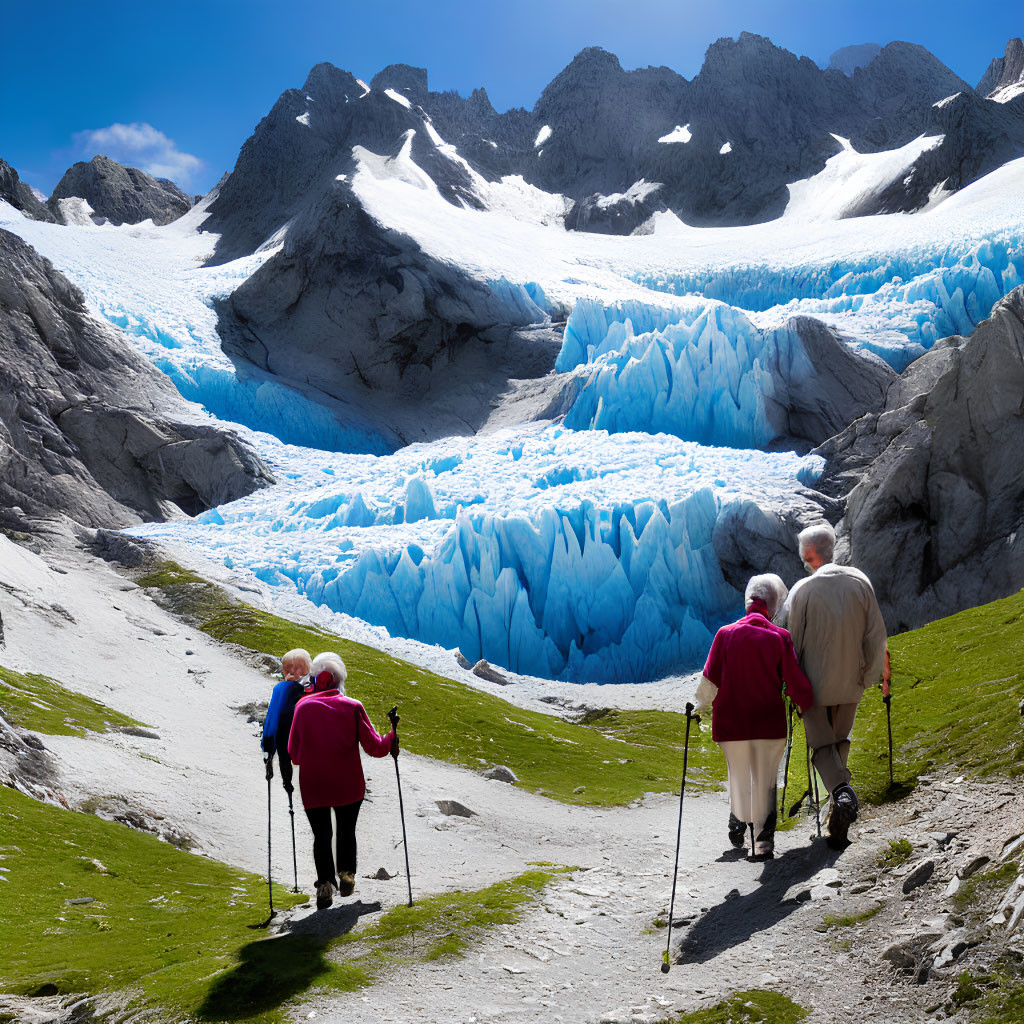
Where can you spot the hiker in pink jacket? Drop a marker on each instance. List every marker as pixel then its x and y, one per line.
pixel 751 664
pixel 327 731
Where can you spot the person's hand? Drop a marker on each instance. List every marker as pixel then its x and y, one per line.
pixel 269 765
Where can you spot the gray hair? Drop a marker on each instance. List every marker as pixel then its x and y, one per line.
pixel 299 654
pixel 328 661
pixel 820 538
pixel 768 588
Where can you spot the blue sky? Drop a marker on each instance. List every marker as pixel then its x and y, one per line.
pixel 178 88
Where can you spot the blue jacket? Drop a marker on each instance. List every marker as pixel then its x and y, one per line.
pixel 278 723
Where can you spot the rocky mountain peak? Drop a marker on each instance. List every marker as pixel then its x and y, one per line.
pixel 14 191
pixel 403 78
pixel 1004 73
pixel 118 194
pixel 325 81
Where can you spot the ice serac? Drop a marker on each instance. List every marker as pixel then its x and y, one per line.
pixel 14 191
pixel 935 505
pixel 87 427
pixel 585 593
pixel 119 195
pixel 705 373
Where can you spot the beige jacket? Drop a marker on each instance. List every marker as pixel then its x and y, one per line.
pixel 838 632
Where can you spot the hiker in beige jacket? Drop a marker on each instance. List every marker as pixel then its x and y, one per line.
pixel 839 636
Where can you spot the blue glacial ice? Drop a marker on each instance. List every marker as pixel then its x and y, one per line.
pixel 565 554
pixel 896 306
pixel 703 372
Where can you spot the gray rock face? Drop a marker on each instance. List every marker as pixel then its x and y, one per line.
pixel 1005 71
pixel 935 506
pixel 118 194
pixel 413 348
pixel 14 191
pixel 88 427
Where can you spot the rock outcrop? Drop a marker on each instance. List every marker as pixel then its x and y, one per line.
pixel 14 191
pixel 1004 78
pixel 118 194
pixel 935 505
pixel 88 427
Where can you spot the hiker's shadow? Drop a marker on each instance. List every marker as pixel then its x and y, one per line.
pixel 271 970
pixel 738 917
pixel 330 923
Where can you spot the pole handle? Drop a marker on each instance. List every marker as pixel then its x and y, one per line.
pixel 691 715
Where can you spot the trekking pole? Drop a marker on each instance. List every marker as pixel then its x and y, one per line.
pixel 295 863
pixel 666 958
pixel 887 701
pixel 393 717
pixel 270 884
pixel 789 752
pixel 812 786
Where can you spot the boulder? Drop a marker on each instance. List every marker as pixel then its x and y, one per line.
pixel 485 670
pixel 918 875
pixel 117 194
pixel 934 491
pixel 499 773
pixel 88 427
pixel 452 808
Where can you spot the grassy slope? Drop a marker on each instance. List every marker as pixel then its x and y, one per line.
pixel 957 684
pixel 43 705
pixel 613 760
pixel 753 1007
pixel 176 928
pixel 956 691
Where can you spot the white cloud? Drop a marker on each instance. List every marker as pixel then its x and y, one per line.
pixel 140 145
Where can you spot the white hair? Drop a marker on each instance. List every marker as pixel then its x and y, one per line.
pixel 820 538
pixel 768 588
pixel 299 654
pixel 328 661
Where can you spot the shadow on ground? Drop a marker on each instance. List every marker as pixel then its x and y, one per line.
pixel 739 917
pixel 271 971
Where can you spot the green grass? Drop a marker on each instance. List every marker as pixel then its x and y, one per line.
pixel 957 684
pixel 44 705
pixel 995 996
pixel 270 973
pixel 613 759
pixel 898 852
pixel 956 690
pixel 757 1006
pixel 978 889
pixel 830 921
pixel 177 929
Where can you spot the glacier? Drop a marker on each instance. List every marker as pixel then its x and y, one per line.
pixel 579 551
pixel 558 553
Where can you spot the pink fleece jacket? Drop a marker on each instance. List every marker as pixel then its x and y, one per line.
pixel 750 662
pixel 327 731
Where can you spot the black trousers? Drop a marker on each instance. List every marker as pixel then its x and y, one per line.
pixel 323 856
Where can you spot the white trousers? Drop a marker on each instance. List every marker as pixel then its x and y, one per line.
pixel 753 783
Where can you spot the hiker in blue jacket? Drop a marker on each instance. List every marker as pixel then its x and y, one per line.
pixel 295 666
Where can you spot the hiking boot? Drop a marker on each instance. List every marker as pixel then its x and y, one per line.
pixel 324 895
pixel 737 831
pixel 842 816
pixel 763 851
pixel 347 883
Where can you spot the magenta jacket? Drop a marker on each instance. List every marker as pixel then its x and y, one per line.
pixel 750 660
pixel 327 731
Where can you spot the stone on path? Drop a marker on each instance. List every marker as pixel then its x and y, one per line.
pixel 453 808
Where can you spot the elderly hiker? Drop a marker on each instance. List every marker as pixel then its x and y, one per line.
pixel 295 666
pixel 327 731
pixel 750 664
pixel 839 636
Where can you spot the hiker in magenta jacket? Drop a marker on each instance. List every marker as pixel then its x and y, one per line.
pixel 750 662
pixel 327 730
